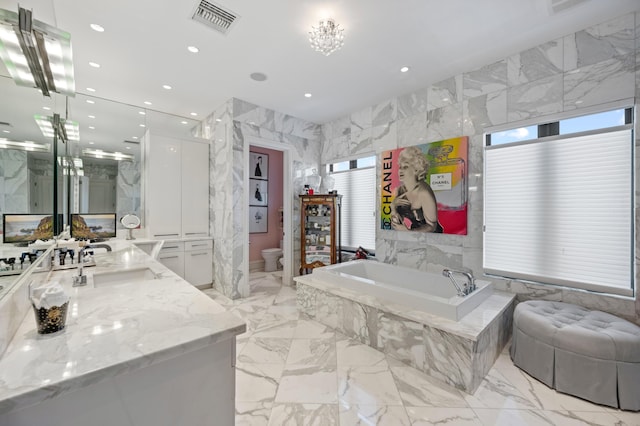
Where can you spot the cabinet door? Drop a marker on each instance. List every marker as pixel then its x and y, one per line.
pixel 195 189
pixel 198 266
pixel 173 261
pixel 164 208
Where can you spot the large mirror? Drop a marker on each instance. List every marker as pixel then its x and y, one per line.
pixel 99 172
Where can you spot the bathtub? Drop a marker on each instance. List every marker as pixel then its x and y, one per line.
pixel 422 291
pixel 412 316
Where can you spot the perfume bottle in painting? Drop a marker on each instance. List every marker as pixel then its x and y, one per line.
pixel 447 175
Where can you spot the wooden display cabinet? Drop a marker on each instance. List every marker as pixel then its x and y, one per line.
pixel 320 231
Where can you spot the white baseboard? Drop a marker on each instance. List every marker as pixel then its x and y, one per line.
pixel 256 266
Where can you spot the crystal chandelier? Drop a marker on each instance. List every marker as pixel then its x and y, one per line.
pixel 327 38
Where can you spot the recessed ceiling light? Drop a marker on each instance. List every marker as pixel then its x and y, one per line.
pixel 166 86
pixel 92 116
pixel 258 76
pixel 92 127
pixel 90 89
pixel 6 131
pixel 218 120
pixel 91 143
pixel 134 137
pixel 142 125
pixel 89 101
pixel 96 27
pixel 404 69
pixel 193 113
pixel 183 122
pixel 127 147
pixel 142 113
pixel 94 64
pixel 193 49
pixel 46 108
pixel 445 99
pixel 147 103
pixel 307 95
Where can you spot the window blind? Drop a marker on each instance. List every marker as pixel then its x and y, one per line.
pixel 560 211
pixel 358 190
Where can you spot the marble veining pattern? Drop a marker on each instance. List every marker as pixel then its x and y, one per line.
pixel 362 119
pixel 444 93
pixel 535 99
pixel 413 103
pixel 599 42
pixel 373 388
pixel 444 123
pixel 384 112
pixel 417 338
pixel 111 330
pixel 533 64
pixel 487 79
pixel 605 81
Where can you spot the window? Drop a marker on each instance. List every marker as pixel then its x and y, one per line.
pixel 355 180
pixel 559 209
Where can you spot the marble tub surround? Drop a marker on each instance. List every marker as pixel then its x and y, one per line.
pixel 419 339
pixel 111 331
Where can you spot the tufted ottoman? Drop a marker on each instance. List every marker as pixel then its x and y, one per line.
pixel 589 354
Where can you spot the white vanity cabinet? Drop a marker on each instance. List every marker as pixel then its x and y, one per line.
pixel 198 262
pixel 172 256
pixel 195 189
pixel 190 259
pixel 176 187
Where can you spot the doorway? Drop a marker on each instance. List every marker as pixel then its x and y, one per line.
pixel 287 232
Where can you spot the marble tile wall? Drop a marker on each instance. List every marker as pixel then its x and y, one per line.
pixel 594 66
pixel 14 181
pixel 229 128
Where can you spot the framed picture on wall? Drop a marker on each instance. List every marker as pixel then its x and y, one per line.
pixel 258 165
pixel 258 192
pixel 257 219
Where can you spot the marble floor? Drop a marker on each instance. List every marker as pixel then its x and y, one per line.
pixel 292 371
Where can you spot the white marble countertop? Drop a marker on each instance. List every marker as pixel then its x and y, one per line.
pixel 111 330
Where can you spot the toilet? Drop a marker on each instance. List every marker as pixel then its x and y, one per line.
pixel 271 257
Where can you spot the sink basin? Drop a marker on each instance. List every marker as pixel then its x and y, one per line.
pixel 120 277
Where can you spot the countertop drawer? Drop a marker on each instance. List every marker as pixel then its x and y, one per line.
pixel 173 246
pixel 198 245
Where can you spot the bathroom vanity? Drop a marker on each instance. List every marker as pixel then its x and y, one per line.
pixel 141 346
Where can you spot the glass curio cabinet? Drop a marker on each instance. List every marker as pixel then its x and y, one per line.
pixel 320 231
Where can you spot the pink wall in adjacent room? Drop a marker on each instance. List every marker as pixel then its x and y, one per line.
pixel 270 239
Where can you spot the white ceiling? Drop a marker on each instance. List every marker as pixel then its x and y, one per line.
pixel 144 46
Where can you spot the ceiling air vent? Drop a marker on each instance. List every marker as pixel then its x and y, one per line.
pixel 214 16
pixel 133 142
pixel 557 6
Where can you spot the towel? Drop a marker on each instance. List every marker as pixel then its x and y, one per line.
pixel 49 295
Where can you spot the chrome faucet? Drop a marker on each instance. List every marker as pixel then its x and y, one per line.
pixel 80 280
pixel 468 286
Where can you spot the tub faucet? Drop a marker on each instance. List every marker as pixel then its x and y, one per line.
pixel 468 286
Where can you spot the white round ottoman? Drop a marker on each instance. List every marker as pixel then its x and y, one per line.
pixel 590 354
